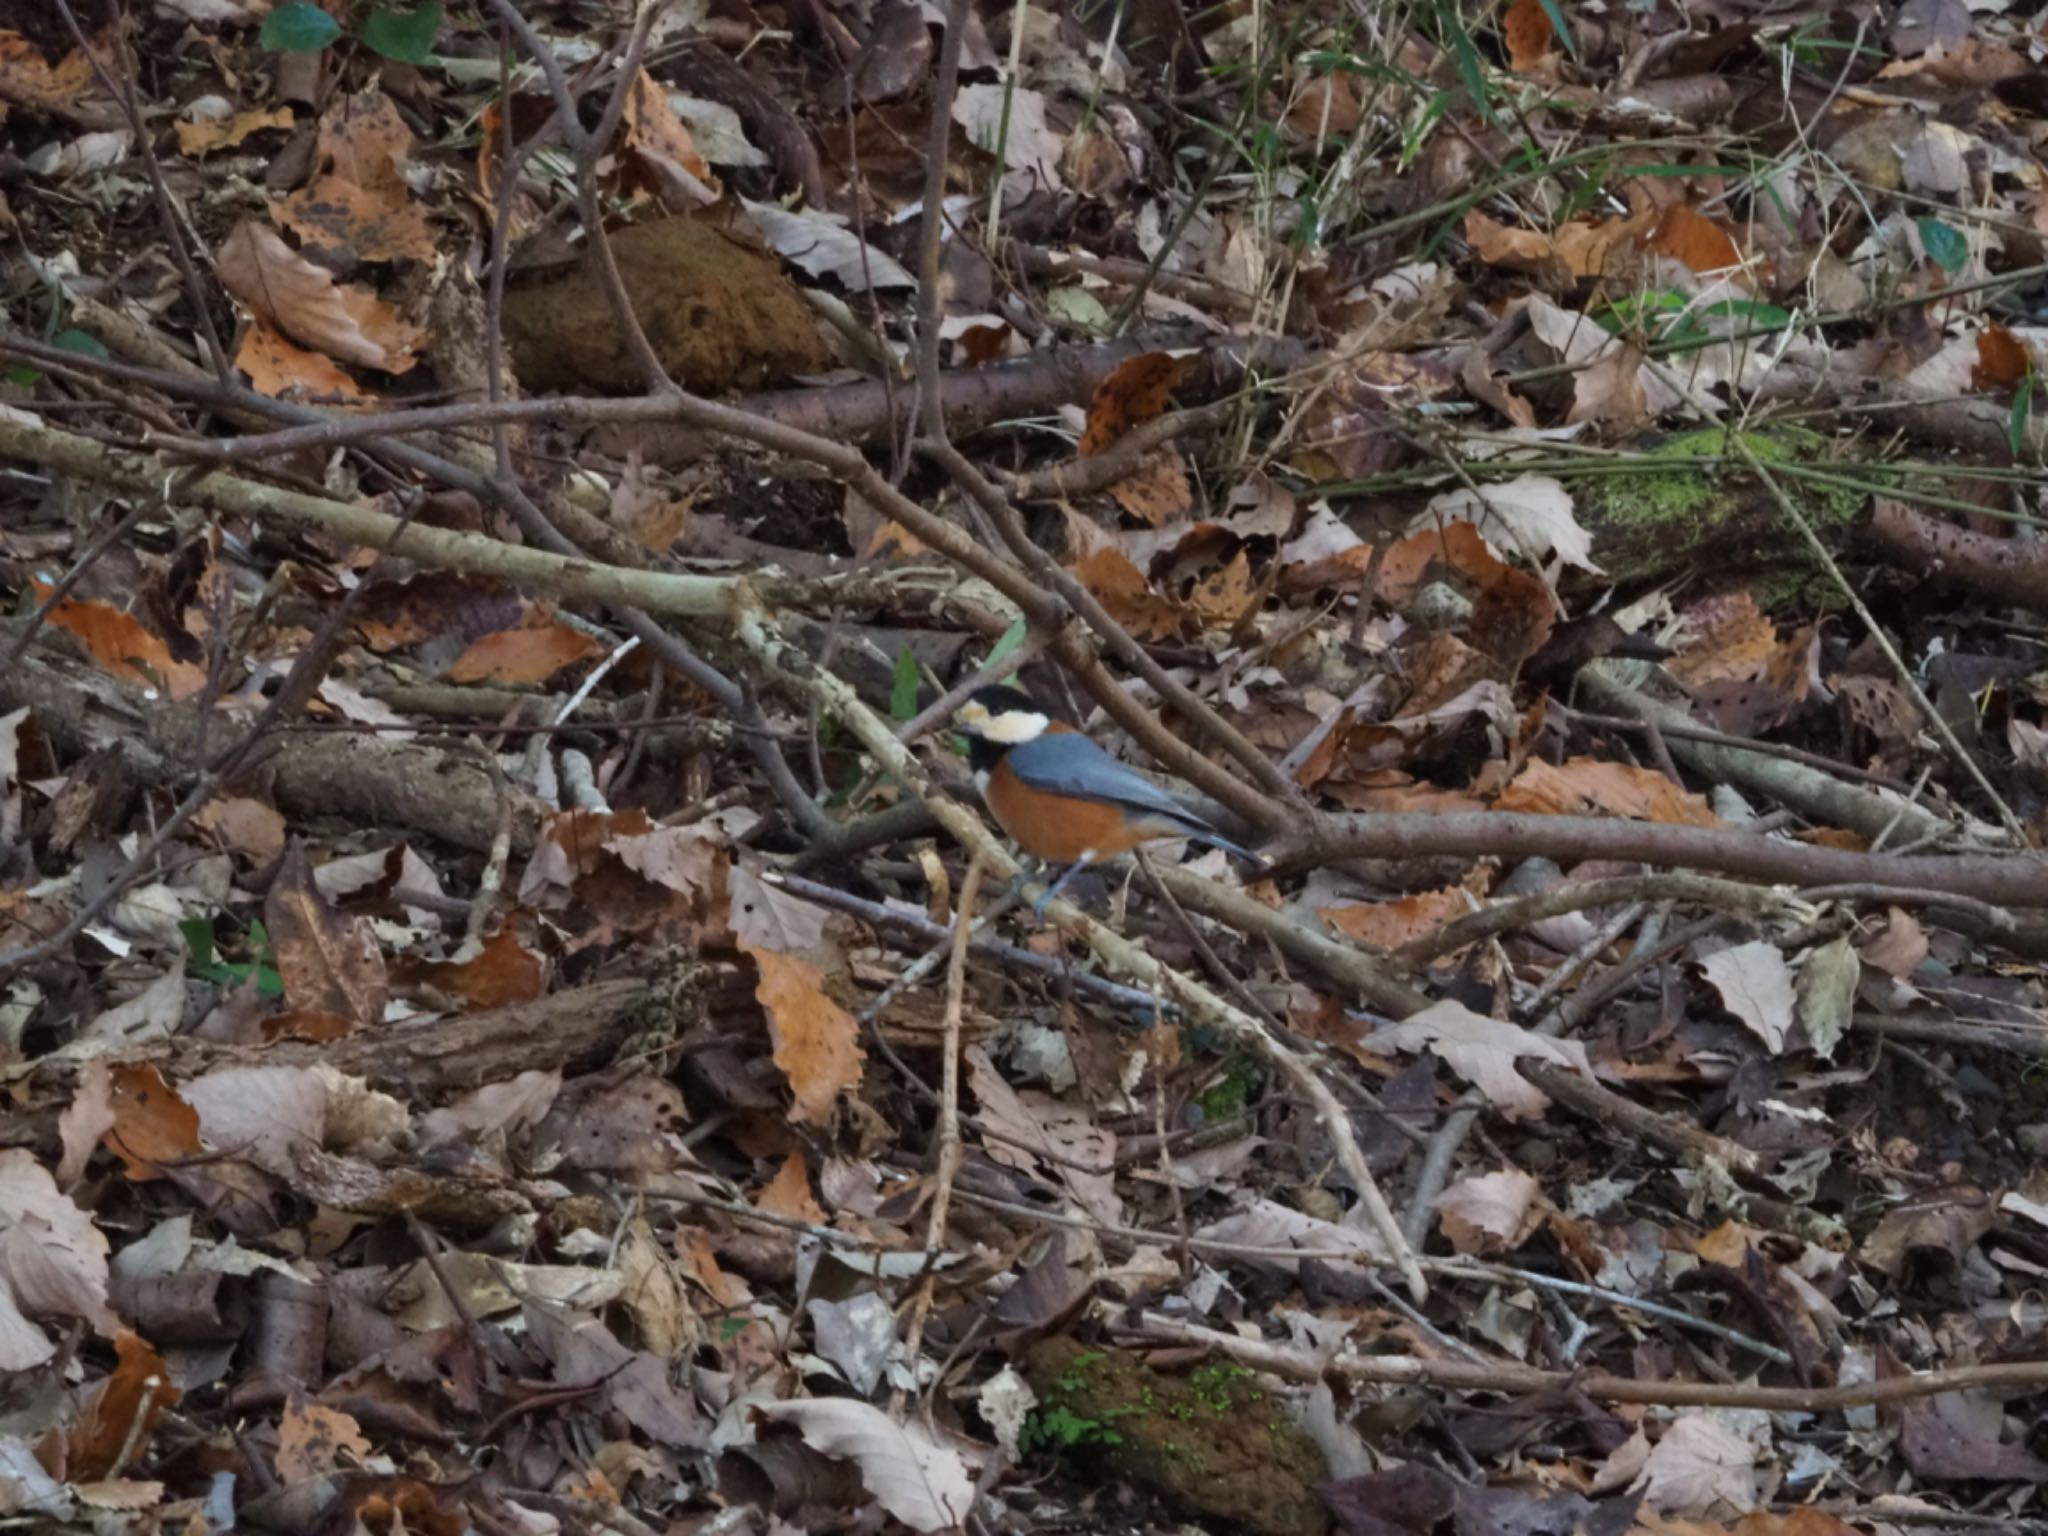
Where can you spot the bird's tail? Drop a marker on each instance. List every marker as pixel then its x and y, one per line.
pixel 1201 834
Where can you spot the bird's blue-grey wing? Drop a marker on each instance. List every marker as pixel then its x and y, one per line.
pixel 1068 763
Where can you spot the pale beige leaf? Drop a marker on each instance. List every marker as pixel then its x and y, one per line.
pixel 278 285
pixel 924 1484
pixel 766 916
pixel 1530 516
pixel 1699 1466
pixel 53 1259
pixel 1492 1213
pixel 1755 985
pixel 1484 1051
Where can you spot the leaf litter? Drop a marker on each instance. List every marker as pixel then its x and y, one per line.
pixel 1563 483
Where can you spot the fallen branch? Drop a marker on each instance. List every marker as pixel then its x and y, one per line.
pixel 2014 880
pixel 1525 1380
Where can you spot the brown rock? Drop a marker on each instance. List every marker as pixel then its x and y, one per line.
pixel 718 312
pixel 1213 1445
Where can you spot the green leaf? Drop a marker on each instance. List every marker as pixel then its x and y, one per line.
pixel 903 687
pixel 1470 70
pixel 1007 643
pixel 407 36
pixel 1078 307
pixel 83 343
pixel 1562 27
pixel 2022 409
pixel 198 932
pixel 1945 245
pixel 298 26
pixel 22 375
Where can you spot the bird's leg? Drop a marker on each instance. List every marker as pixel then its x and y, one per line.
pixel 1038 907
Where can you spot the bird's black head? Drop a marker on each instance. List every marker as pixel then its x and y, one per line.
pixel 997 718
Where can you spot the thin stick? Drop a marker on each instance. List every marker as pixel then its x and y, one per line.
pixel 948 1159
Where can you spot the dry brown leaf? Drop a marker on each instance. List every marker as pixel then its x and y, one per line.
pixel 1727 639
pixel 1135 392
pixel 1157 491
pixel 921 1482
pixel 120 644
pixel 789 1193
pixel 2002 359
pixel 1484 1051
pixel 1899 950
pixel 1390 924
pixel 1325 105
pixel 1222 598
pixel 358 205
pixel 116 1426
pixel 330 963
pixel 1529 34
pixel 817 1044
pixel 312 1439
pixel 1699 1466
pixel 226 132
pixel 502 973
pixel 53 1262
pixel 522 656
pixel 152 1124
pixel 279 286
pixel 1122 588
pixel 283 370
pixel 666 147
pixel 28 78
pixel 1585 786
pixel 248 826
pixel 1491 1213
pixel 1689 236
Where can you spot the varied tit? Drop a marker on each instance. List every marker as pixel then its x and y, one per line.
pixel 1062 798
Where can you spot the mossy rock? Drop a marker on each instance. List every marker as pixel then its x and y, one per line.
pixel 719 313
pixel 1212 1445
pixel 1652 525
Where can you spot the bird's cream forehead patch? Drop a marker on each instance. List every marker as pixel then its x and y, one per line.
pixel 1014 726
pixel 973 712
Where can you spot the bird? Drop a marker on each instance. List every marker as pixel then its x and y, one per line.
pixel 1059 796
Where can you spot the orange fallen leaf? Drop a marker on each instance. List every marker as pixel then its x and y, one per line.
pixel 521 655
pixel 789 1193
pixel 664 145
pixel 284 371
pixel 504 972
pixel 1157 491
pixel 116 1425
pixel 1689 236
pixel 1390 924
pixel 119 643
pixel 1124 591
pixel 1587 786
pixel 28 78
pixel 817 1043
pixel 1135 392
pixel 152 1124
pixel 278 285
pixel 1326 104
pixel 359 204
pixel 1728 639
pixel 2002 359
pixel 226 132
pixel 311 1439
pixel 1221 598
pixel 1530 36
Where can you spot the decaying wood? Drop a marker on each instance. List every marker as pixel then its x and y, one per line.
pixel 421 786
